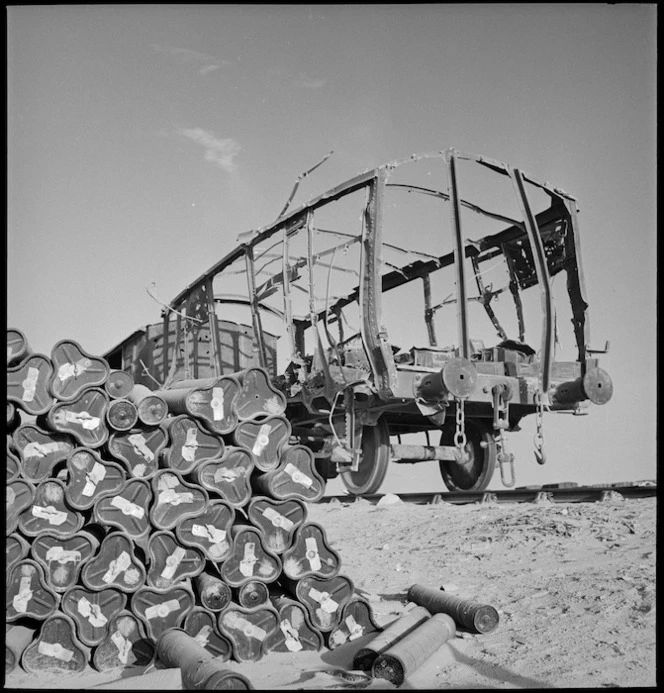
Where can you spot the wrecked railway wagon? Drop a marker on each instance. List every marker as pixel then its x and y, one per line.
pixel 420 297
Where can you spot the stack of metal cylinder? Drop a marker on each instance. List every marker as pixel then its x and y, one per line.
pixel 133 511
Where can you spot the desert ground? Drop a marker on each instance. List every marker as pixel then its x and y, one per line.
pixel 573 583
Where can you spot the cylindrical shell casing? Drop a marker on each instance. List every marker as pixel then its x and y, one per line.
pixel 119 384
pixel 406 656
pixel 121 415
pixel 277 520
pixel 62 559
pixel 200 670
pixel 151 407
pixel 265 438
pixel 324 598
pixel 126 509
pixel 397 630
pixel 175 499
pixel 124 645
pixel 49 512
pixel 56 649
pixel 213 593
pixel 295 631
pixel 40 450
pixel 479 618
pixel 228 477
pixel 75 370
pixel 201 624
pixel 252 594
pixel 92 611
pixel 114 565
pixel 249 559
pixel 295 477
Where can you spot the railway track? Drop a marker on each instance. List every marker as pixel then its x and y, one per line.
pixel 560 493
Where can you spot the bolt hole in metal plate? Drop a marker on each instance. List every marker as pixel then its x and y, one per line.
pixel 229 477
pixel 460 377
pixel 598 386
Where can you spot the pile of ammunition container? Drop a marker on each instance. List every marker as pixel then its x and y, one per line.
pixel 135 513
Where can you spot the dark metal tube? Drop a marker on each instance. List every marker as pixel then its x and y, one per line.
pixel 408 655
pixel 480 618
pixel 254 593
pixel 213 592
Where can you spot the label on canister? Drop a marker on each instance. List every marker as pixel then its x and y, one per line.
pixel 50 514
pixel 56 650
pixel 30 384
pixel 262 439
pixel 92 612
pixel 123 645
pixel 323 598
pixel 249 559
pixel 291 636
pixel 162 610
pixel 34 449
pixel 297 476
pixel 20 601
pixel 172 563
pixel 190 445
pixel 62 556
pixel 140 446
pixel 73 370
pixel 127 507
pixel 312 554
pixel 117 566
pixel 277 519
pixel 203 636
pixel 93 477
pixel 217 403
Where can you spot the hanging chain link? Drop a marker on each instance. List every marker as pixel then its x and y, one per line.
pixel 460 433
pixel 538 438
pixel 500 423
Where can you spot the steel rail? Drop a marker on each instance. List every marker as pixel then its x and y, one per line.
pixel 575 494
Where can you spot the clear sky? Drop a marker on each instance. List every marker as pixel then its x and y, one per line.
pixel 143 139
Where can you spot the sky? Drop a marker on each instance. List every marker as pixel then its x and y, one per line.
pixel 143 139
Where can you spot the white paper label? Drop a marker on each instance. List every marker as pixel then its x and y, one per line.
pixel 123 644
pixel 73 370
pixel 249 560
pixel 190 445
pixel 323 598
pixel 262 439
pixel 83 419
pixel 127 507
pixel 141 448
pixel 203 636
pixel 173 498
pixel 229 475
pixel 92 612
pixel 56 650
pixel 312 554
pixel 162 610
pixel 217 403
pixel 291 636
pixel 117 566
pixel 93 477
pixel 58 553
pixel 49 513
pixel 172 562
pixel 34 449
pixel 20 601
pixel 238 622
pixel 30 384
pixel 277 519
pixel 297 476
pixel 354 628
pixel 209 532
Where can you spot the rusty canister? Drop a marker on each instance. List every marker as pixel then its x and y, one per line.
pixel 251 594
pixel 479 618
pixel 396 631
pixel 200 670
pixel 406 656
pixel 213 593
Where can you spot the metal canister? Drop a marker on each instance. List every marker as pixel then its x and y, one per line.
pixel 248 630
pixel 209 531
pixel 265 438
pixel 396 631
pixel 310 554
pixel 160 610
pixel 175 499
pixel 27 384
pixel 251 594
pixel 121 415
pixel 125 644
pixel 151 407
pixel 190 444
pixel 119 384
pixel 92 611
pixel 295 477
pixel 228 477
pixel 56 649
pixel 213 593
pixel 249 559
pixel 406 656
pixel 199 669
pixel 201 624
pixel 277 520
pixel 257 396
pixel 169 562
pixel 476 617
pixel 356 621
pixel 139 449
pixel 89 477
pixel 75 370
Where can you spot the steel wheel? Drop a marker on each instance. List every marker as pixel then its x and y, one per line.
pixel 373 465
pixel 475 474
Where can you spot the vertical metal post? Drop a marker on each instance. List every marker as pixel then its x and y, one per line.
pixel 164 345
pixel 428 313
pixel 215 355
pixel 459 256
pixel 313 317
pixel 288 310
pixel 541 268
pixel 255 316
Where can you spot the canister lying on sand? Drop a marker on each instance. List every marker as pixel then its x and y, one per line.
pixel 200 669
pixel 366 656
pixel 406 656
pixel 480 618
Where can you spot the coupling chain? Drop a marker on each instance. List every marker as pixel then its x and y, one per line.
pixel 460 433
pixel 538 438
pixel 500 423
